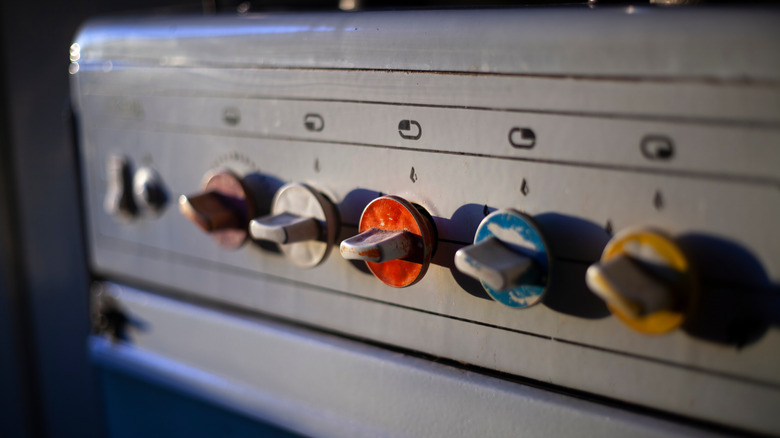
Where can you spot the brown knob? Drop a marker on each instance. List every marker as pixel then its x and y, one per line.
pixel 223 208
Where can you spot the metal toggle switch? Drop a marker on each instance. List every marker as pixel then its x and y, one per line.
pixel 119 196
pixel 222 208
pixel 510 257
pixel 645 279
pixel 302 221
pixel 396 241
pixel 148 190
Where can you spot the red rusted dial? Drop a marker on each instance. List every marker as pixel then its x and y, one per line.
pixel 391 213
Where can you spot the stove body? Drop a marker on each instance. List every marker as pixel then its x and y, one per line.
pixel 591 121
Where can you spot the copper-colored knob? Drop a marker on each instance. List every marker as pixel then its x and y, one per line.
pixel 223 208
pixel 396 241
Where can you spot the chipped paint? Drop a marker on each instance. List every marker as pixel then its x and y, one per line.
pixel 519 232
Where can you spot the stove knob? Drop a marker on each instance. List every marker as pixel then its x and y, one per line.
pixel 119 196
pixel 302 221
pixel 149 191
pixel 396 241
pixel 222 209
pixel 645 279
pixel 510 257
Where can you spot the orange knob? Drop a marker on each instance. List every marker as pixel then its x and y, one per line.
pixel 396 241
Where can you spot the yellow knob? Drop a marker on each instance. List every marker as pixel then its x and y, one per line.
pixel 645 279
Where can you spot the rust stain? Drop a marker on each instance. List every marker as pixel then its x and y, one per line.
pixel 396 273
pixel 370 253
pixel 389 215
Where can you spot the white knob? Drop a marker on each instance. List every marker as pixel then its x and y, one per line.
pixel 303 222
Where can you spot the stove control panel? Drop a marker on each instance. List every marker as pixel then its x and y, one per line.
pixel 602 220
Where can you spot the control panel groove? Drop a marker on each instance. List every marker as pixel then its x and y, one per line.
pixel 740 179
pixel 125 62
pixel 708 121
pixel 160 254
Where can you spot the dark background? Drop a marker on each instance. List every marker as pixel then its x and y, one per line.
pixel 47 386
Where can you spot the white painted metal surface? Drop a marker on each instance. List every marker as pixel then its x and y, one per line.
pixel 660 118
pixel 321 385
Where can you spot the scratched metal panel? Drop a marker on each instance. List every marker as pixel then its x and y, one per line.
pixel 586 173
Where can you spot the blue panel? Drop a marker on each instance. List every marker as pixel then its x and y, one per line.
pixel 135 408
